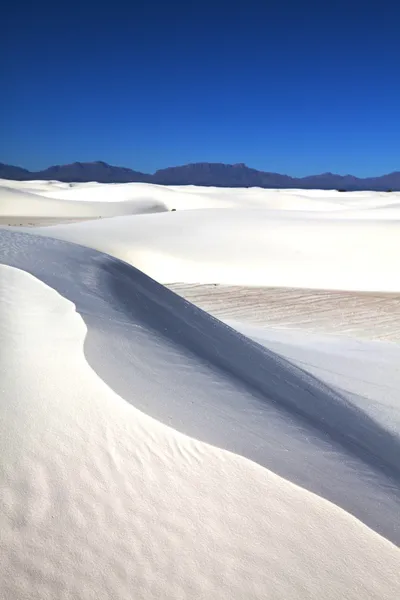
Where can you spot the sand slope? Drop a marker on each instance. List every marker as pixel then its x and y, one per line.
pixel 100 501
pixel 31 198
pixel 149 450
pixel 274 238
pixel 330 334
pixel 242 398
pixel 371 316
pixel 251 247
pixel 30 203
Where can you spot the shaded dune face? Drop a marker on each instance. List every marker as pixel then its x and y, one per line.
pixel 244 398
pixel 150 450
pixel 98 499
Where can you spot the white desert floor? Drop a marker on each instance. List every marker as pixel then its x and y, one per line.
pixel 150 450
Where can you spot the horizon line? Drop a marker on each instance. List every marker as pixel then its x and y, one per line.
pixel 237 164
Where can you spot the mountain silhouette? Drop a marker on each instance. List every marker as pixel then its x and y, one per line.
pixel 205 174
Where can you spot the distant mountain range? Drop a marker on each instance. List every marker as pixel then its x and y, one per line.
pixel 206 174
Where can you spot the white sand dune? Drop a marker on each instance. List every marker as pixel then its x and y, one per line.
pixel 134 323
pixel 290 323
pixel 27 203
pixel 367 373
pixel 91 199
pixel 178 197
pixel 99 500
pixel 251 247
pixel 148 450
pixel 337 241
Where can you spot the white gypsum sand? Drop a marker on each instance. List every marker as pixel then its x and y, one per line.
pixel 52 200
pixel 149 451
pixel 99 500
pixel 289 322
pixel 364 315
pixel 141 336
pixel 36 204
pixel 253 247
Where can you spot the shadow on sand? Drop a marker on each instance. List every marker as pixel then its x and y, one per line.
pixel 108 292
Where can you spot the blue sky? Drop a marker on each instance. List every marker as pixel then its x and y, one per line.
pixel 296 87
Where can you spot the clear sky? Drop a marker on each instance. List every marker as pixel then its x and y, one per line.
pixel 293 86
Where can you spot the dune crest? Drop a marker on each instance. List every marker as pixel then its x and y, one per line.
pixel 148 449
pixel 100 500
